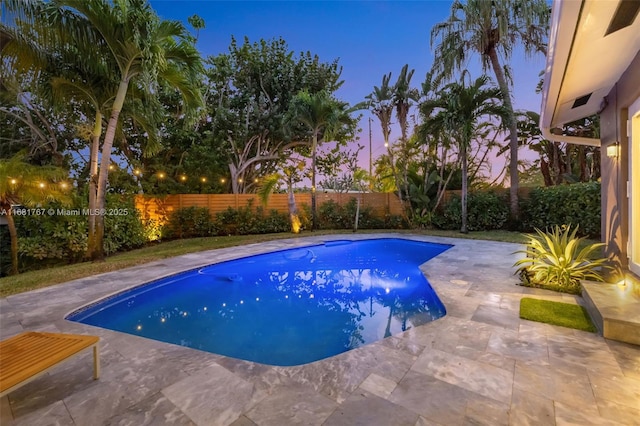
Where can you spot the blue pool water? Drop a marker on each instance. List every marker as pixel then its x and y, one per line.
pixel 283 308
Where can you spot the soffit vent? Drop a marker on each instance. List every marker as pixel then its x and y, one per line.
pixel 582 100
pixel 626 13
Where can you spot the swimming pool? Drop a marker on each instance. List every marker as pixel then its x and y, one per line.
pixel 284 308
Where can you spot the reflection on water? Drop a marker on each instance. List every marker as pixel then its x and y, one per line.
pixel 285 308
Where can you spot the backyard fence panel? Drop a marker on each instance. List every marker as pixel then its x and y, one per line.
pixel 159 208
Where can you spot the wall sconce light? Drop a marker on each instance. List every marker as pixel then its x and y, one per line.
pixel 613 150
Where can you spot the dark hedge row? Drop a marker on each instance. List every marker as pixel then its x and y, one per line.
pixel 197 221
pixel 58 234
pixel 575 204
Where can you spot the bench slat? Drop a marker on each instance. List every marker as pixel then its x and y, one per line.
pixel 28 354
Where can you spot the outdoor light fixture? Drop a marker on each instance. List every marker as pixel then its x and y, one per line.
pixel 13 181
pixel 613 150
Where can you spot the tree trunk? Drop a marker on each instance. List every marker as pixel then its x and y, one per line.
pixel 544 169
pixel 582 156
pixel 233 171
pixel 465 171
pixel 293 209
pixel 355 222
pixel 13 235
pixel 513 136
pixel 556 163
pixel 98 250
pixel 93 181
pixel 314 213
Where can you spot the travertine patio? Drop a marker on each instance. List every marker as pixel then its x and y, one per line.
pixel 480 364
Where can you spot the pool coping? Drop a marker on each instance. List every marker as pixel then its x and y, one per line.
pixel 147 379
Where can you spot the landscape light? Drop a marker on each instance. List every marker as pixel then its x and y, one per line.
pixel 41 185
pixel 13 181
pixel 613 150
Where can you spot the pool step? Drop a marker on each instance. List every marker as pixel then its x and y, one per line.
pixel 615 310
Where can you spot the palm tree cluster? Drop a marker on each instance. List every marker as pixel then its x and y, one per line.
pixel 492 29
pixel 456 113
pixel 104 57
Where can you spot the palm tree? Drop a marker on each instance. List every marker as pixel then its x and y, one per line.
pixel 459 109
pixel 146 51
pixel 24 184
pixel 403 97
pixel 290 174
pixel 325 118
pixel 381 104
pixel 492 29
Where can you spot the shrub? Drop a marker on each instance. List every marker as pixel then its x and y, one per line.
pixel 332 215
pixel 366 220
pixel 189 222
pixel 51 238
pixel 486 211
pixel 553 260
pixel 238 221
pixel 576 204
pixel 123 228
pixel 5 251
pixel 395 222
pixel 48 239
pixel 304 214
pixel 272 222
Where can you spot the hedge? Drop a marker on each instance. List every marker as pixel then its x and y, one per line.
pixel 575 204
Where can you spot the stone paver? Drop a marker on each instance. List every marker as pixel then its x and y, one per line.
pixel 480 364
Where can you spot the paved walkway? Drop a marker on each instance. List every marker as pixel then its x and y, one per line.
pixel 480 364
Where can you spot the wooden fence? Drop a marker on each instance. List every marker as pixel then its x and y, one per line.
pixel 159 208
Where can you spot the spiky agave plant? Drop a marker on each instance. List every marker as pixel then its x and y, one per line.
pixel 554 259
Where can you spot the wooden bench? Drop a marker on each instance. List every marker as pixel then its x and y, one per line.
pixel 29 355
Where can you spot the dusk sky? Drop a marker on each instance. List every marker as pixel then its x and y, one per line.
pixel 370 39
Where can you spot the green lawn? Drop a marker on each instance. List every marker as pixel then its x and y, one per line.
pixel 556 313
pixel 32 280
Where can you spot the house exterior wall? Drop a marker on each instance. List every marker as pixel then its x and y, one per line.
pixel 615 171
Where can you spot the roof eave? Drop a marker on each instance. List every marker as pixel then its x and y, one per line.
pixel 561 40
